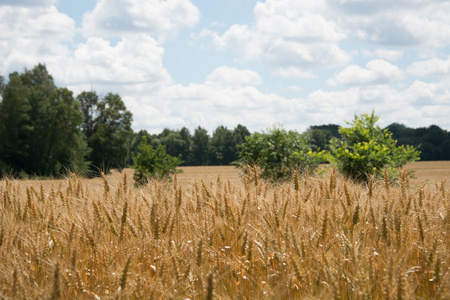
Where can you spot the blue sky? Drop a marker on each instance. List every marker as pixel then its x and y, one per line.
pixel 227 62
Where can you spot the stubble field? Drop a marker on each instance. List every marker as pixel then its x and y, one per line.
pixel 211 233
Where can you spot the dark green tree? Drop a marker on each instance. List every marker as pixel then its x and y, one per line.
pixel 174 142
pixel 200 141
pixel 186 150
pixel 88 105
pixel 40 124
pixel 111 131
pixel 240 132
pixel 333 129
pixel 15 127
pixel 136 140
pixel 318 138
pixel 222 147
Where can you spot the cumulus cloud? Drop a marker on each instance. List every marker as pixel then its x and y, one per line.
pixel 29 35
pixel 135 59
pixel 287 34
pixel 233 77
pixel 396 23
pixel 431 67
pixel 376 72
pixel 27 3
pixel 388 54
pixel 112 18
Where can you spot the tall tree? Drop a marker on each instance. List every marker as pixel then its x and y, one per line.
pixel 200 141
pixel 41 125
pixel 186 150
pixel 222 150
pixel 15 126
pixel 107 125
pixel 88 105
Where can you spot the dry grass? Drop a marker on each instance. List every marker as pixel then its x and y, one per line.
pixel 206 236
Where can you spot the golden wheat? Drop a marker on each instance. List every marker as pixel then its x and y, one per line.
pixel 313 237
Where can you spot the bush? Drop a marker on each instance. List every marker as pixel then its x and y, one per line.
pixel 278 153
pixel 365 150
pixel 151 163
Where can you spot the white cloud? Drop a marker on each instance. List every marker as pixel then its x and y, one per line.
pixel 288 34
pixel 112 18
pixel 134 60
pixel 388 54
pixel 397 23
pixel 29 35
pixel 293 72
pixel 376 72
pixel 431 67
pixel 27 3
pixel 233 77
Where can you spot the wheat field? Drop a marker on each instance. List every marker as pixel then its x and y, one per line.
pixel 209 235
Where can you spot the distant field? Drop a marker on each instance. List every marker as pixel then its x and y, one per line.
pixel 427 172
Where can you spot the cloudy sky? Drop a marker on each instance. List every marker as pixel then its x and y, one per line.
pixel 226 62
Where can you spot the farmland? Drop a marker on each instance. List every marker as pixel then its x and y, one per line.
pixel 212 233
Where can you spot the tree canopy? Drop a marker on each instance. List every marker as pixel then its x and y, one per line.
pixel 46 131
pixel 278 153
pixel 365 149
pixel 40 126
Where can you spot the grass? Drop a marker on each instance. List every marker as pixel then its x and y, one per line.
pixel 207 235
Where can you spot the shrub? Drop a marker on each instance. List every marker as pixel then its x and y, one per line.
pixel 278 153
pixel 365 149
pixel 151 163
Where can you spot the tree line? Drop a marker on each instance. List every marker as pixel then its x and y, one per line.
pixel 46 130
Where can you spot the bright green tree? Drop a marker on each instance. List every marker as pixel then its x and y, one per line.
pixel 278 153
pixel 153 163
pixel 365 149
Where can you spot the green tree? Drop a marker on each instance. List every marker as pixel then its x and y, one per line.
pixel 200 141
pixel 185 135
pixel 136 140
pixel 174 142
pixel 318 138
pixel 40 125
pixel 151 163
pixel 278 153
pixel 88 106
pixel 15 127
pixel 107 126
pixel 222 147
pixel 240 132
pixel 365 149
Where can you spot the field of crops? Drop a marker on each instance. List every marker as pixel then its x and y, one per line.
pixel 211 233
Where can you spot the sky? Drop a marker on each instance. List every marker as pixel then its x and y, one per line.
pixel 291 63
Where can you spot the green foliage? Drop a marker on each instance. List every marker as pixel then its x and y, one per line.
pixel 177 142
pixel 278 153
pixel 40 126
pixel 151 163
pixel 107 127
pixel 365 149
pixel 199 149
